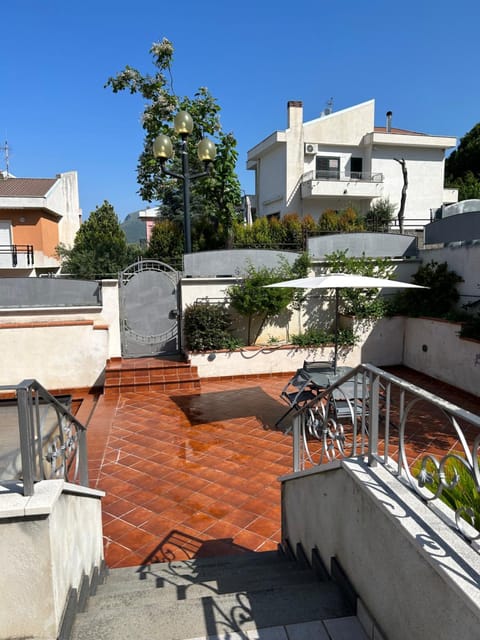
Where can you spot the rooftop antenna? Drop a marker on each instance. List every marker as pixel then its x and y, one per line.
pixel 6 152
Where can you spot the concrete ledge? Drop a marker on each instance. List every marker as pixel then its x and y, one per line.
pixel 49 542
pixel 415 576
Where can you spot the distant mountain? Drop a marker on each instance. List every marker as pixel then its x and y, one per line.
pixel 135 228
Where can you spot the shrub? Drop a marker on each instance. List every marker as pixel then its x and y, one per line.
pixel 437 301
pixel 319 337
pixel 206 327
pixel 471 328
pixel 380 215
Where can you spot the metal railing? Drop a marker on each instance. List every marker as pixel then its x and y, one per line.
pixel 429 443
pixel 343 176
pixel 46 442
pixel 14 250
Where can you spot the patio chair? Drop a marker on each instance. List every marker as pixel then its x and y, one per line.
pixel 297 392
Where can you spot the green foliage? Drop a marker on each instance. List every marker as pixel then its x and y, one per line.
pixel 100 247
pixel 288 232
pixel 251 299
pixel 319 337
pixel 166 242
pixel 215 198
pixel 206 327
pixel 468 186
pixel 380 215
pixel 471 328
pixel 462 167
pixel 461 493
pixel 438 301
pixel 362 303
pixel 346 220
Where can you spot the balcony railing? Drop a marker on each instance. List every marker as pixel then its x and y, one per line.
pixel 342 176
pixel 12 254
pixel 40 439
pixel 431 445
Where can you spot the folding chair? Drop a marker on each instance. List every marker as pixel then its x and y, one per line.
pixel 297 392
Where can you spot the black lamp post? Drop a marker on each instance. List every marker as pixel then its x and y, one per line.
pixel 163 149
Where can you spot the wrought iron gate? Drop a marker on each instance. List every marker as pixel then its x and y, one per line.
pixel 149 309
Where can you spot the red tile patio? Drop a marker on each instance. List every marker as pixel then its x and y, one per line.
pixel 194 472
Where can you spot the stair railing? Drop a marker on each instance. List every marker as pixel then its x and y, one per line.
pixel 392 422
pixel 53 443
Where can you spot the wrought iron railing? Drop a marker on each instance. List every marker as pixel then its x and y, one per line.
pixel 429 443
pixel 343 176
pixel 44 441
pixel 16 250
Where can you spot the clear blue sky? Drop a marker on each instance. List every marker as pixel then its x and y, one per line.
pixel 419 59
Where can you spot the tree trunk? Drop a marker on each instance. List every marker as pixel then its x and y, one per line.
pixel 403 199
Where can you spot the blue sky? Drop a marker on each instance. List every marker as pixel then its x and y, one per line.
pixel 418 59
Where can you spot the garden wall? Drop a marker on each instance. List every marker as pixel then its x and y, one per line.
pixel 63 347
pixel 434 347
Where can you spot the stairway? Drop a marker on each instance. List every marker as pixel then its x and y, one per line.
pixel 148 374
pixel 262 595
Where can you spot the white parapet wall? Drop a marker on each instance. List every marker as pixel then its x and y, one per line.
pixel 414 575
pixel 434 347
pixel 48 542
pixel 61 347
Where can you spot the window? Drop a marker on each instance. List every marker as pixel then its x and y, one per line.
pixel 356 168
pixel 327 168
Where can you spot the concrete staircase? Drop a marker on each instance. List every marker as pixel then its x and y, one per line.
pixel 249 596
pixel 148 374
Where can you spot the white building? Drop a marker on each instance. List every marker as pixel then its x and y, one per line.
pixel 342 159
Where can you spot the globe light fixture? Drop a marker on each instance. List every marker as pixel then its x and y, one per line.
pixel 206 151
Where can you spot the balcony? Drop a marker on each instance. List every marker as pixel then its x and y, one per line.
pixel 333 183
pixel 16 256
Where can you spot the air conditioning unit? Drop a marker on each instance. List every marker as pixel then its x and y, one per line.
pixel 310 148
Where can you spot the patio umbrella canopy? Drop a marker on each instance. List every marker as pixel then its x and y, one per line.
pixel 339 281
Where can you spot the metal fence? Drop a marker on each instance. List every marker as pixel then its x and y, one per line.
pixel 430 444
pixel 40 439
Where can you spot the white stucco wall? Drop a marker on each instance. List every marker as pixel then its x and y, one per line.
pixel 416 577
pixel 425 180
pixel 271 196
pixel 47 542
pixel 62 348
pixel 433 347
pixel 63 198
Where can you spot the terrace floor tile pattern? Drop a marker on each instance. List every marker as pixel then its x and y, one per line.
pixel 194 472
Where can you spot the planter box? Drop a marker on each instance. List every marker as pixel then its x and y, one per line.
pixel 255 360
pixel 380 343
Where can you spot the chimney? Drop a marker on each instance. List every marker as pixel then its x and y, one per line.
pixel 389 121
pixel 295 113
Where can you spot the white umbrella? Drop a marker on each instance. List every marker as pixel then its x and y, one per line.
pixel 339 281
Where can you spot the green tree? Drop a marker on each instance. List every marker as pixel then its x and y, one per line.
pixel 380 215
pixel 362 303
pixel 462 167
pixel 251 299
pixel 166 243
pixel 215 198
pixel 100 247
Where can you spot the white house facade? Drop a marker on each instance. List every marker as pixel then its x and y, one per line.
pixel 342 159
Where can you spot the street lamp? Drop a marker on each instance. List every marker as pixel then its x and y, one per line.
pixel 206 151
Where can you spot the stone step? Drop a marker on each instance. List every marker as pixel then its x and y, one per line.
pixel 204 567
pixel 173 588
pixel 145 374
pixel 147 617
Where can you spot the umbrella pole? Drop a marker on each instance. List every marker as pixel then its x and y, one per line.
pixel 335 355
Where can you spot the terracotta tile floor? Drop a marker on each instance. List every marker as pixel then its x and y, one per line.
pixel 194 473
